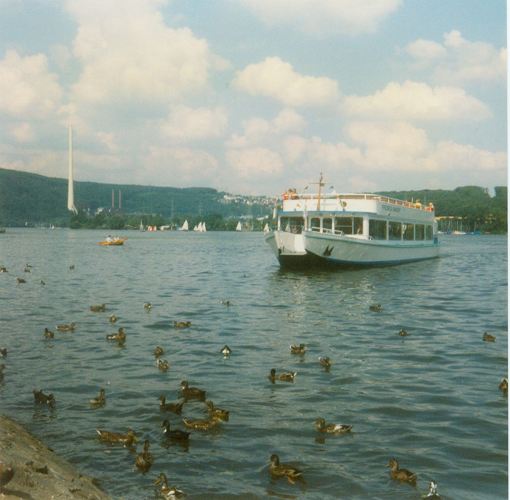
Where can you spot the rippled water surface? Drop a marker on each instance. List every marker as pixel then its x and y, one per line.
pixel 430 399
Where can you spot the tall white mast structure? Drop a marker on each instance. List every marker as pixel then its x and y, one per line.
pixel 70 184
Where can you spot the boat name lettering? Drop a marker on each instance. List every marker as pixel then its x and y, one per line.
pixel 390 208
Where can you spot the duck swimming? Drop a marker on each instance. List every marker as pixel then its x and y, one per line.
pixel 3 269
pixel 127 439
pixel 158 351
pixel 432 491
pixel 147 306
pixel 217 413
pixel 298 349
pixel 188 392
pixel 120 336
pixel 176 434
pixel 321 426
pixel 401 474
pixel 325 362
pixel 487 337
pixel 144 460
pixel 66 327
pixel 100 400
pixel 173 407
pixel 284 376
pixel 112 318
pixel 165 491
pixel 201 425
pixel 45 399
pixel 182 324
pixel 226 351
pixel 20 280
pixel 3 352
pixel 98 308
pixel 48 334
pixel 503 385
pixel 277 470
pixel 403 333
pixel 162 365
pixel 375 308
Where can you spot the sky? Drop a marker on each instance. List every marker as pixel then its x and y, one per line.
pixel 256 96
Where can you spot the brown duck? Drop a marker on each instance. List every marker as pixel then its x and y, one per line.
pixel 284 376
pixel 401 474
pixel 127 439
pixel 325 362
pixel 45 399
pixel 503 385
pixel 188 392
pixel 66 327
pixel 175 435
pixel 98 308
pixel 182 324
pixel 217 413
pixel 162 365
pixel 278 470
pixel 173 407
pixel 100 400
pixel 165 491
pixel 487 337
pixel 298 349
pixel 158 351
pixel 112 318
pixel 200 425
pixel 120 336
pixel 144 460
pixel 48 334
pixel 321 426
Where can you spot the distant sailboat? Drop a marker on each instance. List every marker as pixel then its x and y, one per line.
pixel 141 226
pixel 266 228
pixel 196 228
pixel 204 229
pixel 239 227
pixel 185 226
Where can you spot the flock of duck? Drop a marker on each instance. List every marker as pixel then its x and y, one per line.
pixel 214 416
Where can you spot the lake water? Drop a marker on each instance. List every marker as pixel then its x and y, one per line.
pixel 430 399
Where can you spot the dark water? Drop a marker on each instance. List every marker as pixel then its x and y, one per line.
pixel 431 399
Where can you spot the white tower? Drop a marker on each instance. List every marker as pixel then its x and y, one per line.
pixel 70 185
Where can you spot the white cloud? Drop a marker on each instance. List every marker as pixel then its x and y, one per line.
pixel 129 54
pixel 255 163
pixel 458 60
pixel 278 79
pixel 27 87
pixel 417 101
pixel 22 132
pixel 190 124
pixel 321 17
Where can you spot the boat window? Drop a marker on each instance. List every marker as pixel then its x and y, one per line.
pixel 420 232
pixel 315 224
pixel 377 229
pixel 428 232
pixel 409 232
pixel 357 227
pixel 343 225
pixel 292 224
pixel 394 230
pixel 327 225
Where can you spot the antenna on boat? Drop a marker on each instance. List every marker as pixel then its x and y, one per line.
pixel 321 184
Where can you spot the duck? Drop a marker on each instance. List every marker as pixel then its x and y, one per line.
pixel 277 470
pixel 487 337
pixel 321 426
pixel 432 491
pixel 100 400
pixel 325 362
pixel 20 280
pixel 401 474
pixel 144 460
pixel 6 474
pixel 48 334
pixel 158 351
pixel 120 336
pixel 27 269
pixel 176 434
pixel 71 267
pixel 298 349
pixel 43 282
pixel 375 308
pixel 127 439
pixel 284 376
pixel 226 351
pixel 182 324
pixel 173 407
pixel 112 318
pixel 162 364
pixel 226 302
pixel 66 327
pixel 403 333
pixel 217 413
pixel 3 269
pixel 201 425
pixel 41 398
pixel 147 306
pixel 168 492
pixel 98 308
pixel 503 385
pixel 191 392
pixel 3 352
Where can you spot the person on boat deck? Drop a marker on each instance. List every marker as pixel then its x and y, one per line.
pixel 109 238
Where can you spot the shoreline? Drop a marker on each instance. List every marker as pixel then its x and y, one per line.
pixel 39 473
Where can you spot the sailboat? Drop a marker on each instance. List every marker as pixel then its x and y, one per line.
pixel 266 228
pixel 203 229
pixel 239 227
pixel 185 226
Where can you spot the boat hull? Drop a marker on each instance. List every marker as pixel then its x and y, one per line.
pixel 289 249
pixel 356 252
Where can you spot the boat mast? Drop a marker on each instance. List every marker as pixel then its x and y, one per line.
pixel 321 183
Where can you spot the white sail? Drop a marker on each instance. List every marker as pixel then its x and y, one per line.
pixel 239 227
pixel 185 226
pixel 204 229
pixel 266 228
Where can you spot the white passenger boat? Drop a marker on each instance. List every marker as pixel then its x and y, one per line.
pixel 351 230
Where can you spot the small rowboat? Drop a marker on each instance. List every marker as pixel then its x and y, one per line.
pixel 113 242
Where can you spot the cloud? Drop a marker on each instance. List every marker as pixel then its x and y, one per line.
pixel 277 79
pixel 22 132
pixel 27 88
pixel 192 124
pixel 417 101
pixel 255 163
pixel 458 60
pixel 129 54
pixel 322 17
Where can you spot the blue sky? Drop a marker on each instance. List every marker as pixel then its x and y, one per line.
pixel 255 96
